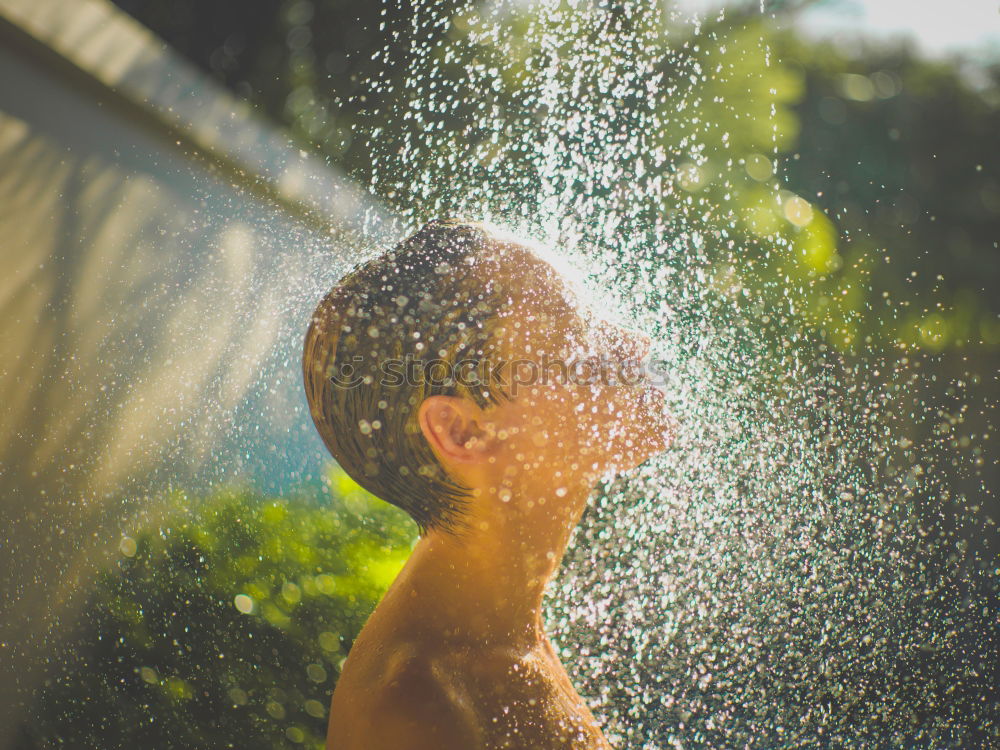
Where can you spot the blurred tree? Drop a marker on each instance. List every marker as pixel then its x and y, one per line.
pixel 316 66
pixel 900 153
pixel 226 626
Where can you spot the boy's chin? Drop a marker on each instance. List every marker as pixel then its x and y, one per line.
pixel 637 455
pixel 647 455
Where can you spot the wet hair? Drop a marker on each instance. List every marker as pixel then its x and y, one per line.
pixel 433 301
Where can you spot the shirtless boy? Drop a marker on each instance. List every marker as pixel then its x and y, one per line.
pixel 493 457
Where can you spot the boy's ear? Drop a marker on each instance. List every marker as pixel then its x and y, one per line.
pixel 453 427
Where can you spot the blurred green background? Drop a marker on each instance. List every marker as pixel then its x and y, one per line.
pixel 888 170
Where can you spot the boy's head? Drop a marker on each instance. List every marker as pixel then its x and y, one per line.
pixel 431 298
pixel 441 367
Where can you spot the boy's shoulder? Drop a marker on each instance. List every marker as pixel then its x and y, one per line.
pixel 402 696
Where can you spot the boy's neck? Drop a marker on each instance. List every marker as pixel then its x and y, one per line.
pixel 484 587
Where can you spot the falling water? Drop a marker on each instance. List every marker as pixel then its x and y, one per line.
pixel 795 570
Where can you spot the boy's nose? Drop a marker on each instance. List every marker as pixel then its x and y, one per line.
pixel 625 342
pixel 644 343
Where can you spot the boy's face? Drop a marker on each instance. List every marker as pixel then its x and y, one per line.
pixel 581 403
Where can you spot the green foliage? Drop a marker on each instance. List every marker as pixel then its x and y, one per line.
pixel 898 152
pixel 226 625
